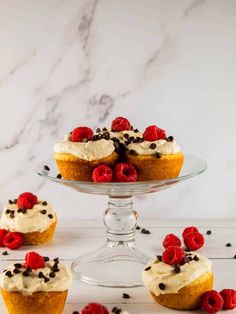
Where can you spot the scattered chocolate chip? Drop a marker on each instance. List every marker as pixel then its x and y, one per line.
pixel 55 268
pixel 19 210
pixel 148 268
pixel 133 152
pixel 46 279
pixel 125 296
pixel 17 265
pixel 196 258
pixel 16 271
pixel 46 168
pixel 177 269
pixel 12 215
pixel 15 201
pixel 159 257
pixel 28 269
pixel 25 273
pixel 5 253
pixel 95 138
pixel 52 275
pixel 44 203
pixel 10 202
pixel 162 286
pixel 43 211
pixel 157 155
pixel 131 127
pixel 136 130
pixel 208 232
pixel 41 274
pixel 9 274
pixel 126 135
pixel 235 256
pixel 46 259
pixel 59 176
pixel 145 231
pixel 170 139
pixel 8 211
pixel 50 216
pixel 56 260
pixel 116 310
pixel 187 249
pixel 98 130
pixel 75 312
pixel 104 129
pixel 127 142
pixel 152 146
pixel 138 227
pixel 106 135
pixel 228 244
pixel 24 210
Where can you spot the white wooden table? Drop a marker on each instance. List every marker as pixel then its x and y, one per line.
pixel 74 237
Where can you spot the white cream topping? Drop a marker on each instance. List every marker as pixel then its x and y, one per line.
pixel 121 135
pixel 32 283
pixel 31 221
pixel 164 273
pixel 91 150
pixel 160 146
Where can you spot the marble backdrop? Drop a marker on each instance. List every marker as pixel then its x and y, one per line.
pixel 65 63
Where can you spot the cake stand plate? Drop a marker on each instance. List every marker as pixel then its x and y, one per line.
pixel 119 262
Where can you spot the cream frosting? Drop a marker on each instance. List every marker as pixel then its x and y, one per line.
pixel 91 150
pixel 162 147
pixel 31 221
pixel 163 273
pixel 32 283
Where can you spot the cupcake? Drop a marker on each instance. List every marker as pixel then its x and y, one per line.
pixel 156 157
pixel 36 286
pixel 34 219
pixel 181 285
pixel 81 151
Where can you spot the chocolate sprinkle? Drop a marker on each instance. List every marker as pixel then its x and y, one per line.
pixel 44 203
pixel 228 244
pixel 208 232
pixel 59 176
pixel 126 296
pixel 162 286
pixel 43 211
pixel 177 269
pixel 148 268
pixel 46 168
pixel 50 216
pixel 5 253
pixel 152 146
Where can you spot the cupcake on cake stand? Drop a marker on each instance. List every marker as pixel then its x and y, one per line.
pixel 118 262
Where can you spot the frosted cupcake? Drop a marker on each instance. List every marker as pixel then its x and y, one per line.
pixel 80 152
pixel 156 157
pixel 36 286
pixel 181 285
pixel 35 219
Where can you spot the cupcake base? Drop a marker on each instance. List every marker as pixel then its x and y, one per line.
pixel 74 168
pixel 189 297
pixel 150 167
pixel 37 303
pixel 37 238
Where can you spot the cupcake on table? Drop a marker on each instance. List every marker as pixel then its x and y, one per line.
pixel 36 286
pixel 27 220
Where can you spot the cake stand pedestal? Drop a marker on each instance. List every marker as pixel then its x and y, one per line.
pixel 118 262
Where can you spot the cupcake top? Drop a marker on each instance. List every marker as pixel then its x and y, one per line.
pixel 161 278
pixel 36 274
pixel 27 214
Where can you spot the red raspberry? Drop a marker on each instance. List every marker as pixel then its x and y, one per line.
pixel 212 301
pixel 13 240
pixel 194 241
pixel 229 296
pixel 102 173
pixel 94 308
pixel 189 230
pixel 120 124
pixel 171 240
pixel 3 232
pixel 153 133
pixel 34 261
pixel 125 172
pixel 173 255
pixel 27 200
pixel 82 133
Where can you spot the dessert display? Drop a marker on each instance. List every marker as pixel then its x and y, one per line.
pixel 38 285
pixel 27 220
pixel 153 155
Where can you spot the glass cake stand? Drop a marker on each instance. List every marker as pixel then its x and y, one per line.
pixel 118 262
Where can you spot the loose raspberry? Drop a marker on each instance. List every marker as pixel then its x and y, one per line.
pixel 27 200
pixel 120 124
pixel 229 296
pixel 188 230
pixel 34 261
pixel 13 240
pixel 153 133
pixel 173 255
pixel 212 301
pixel 194 241
pixel 102 173
pixel 94 308
pixel 3 232
pixel 81 134
pixel 125 172
pixel 171 240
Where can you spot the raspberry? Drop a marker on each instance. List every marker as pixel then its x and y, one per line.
pixel 3 232
pixel 120 124
pixel 171 240
pixel 102 173
pixel 189 230
pixel 82 133
pixel 94 308
pixel 229 297
pixel 194 241
pixel 153 133
pixel 34 261
pixel 125 172
pixel 173 255
pixel 212 301
pixel 27 200
pixel 13 240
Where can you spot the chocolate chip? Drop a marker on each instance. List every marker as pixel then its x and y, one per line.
pixel 75 312
pixel 5 253
pixel 116 310
pixel 187 260
pixel 46 279
pixel 50 216
pixel 46 168
pixel 208 232
pixel 95 138
pixel 196 258
pixel 59 176
pixel 170 139
pixel 228 244
pixel 127 142
pixel 133 152
pixel 187 249
pixel 17 265
pixel 152 146
pixel 126 135
pixel 24 210
pixel 10 202
pixel 138 228
pixel 9 274
pixel 56 260
pixel 136 130
pixel 104 129
pixel 157 155
pixel 12 215
pixel 145 231
pixel 44 203
pixel 162 286
pixel 26 273
pixel 148 268
pixel 46 259
pixel 41 274
pixel 19 210
pixel 235 256
pixel 28 269
pixel 43 211
pixel 15 201
pixel 106 135
pixel 8 211
pixel 177 269
pixel 159 257
pixel 126 296
pixel 52 275
pixel 98 130
pixel 16 271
